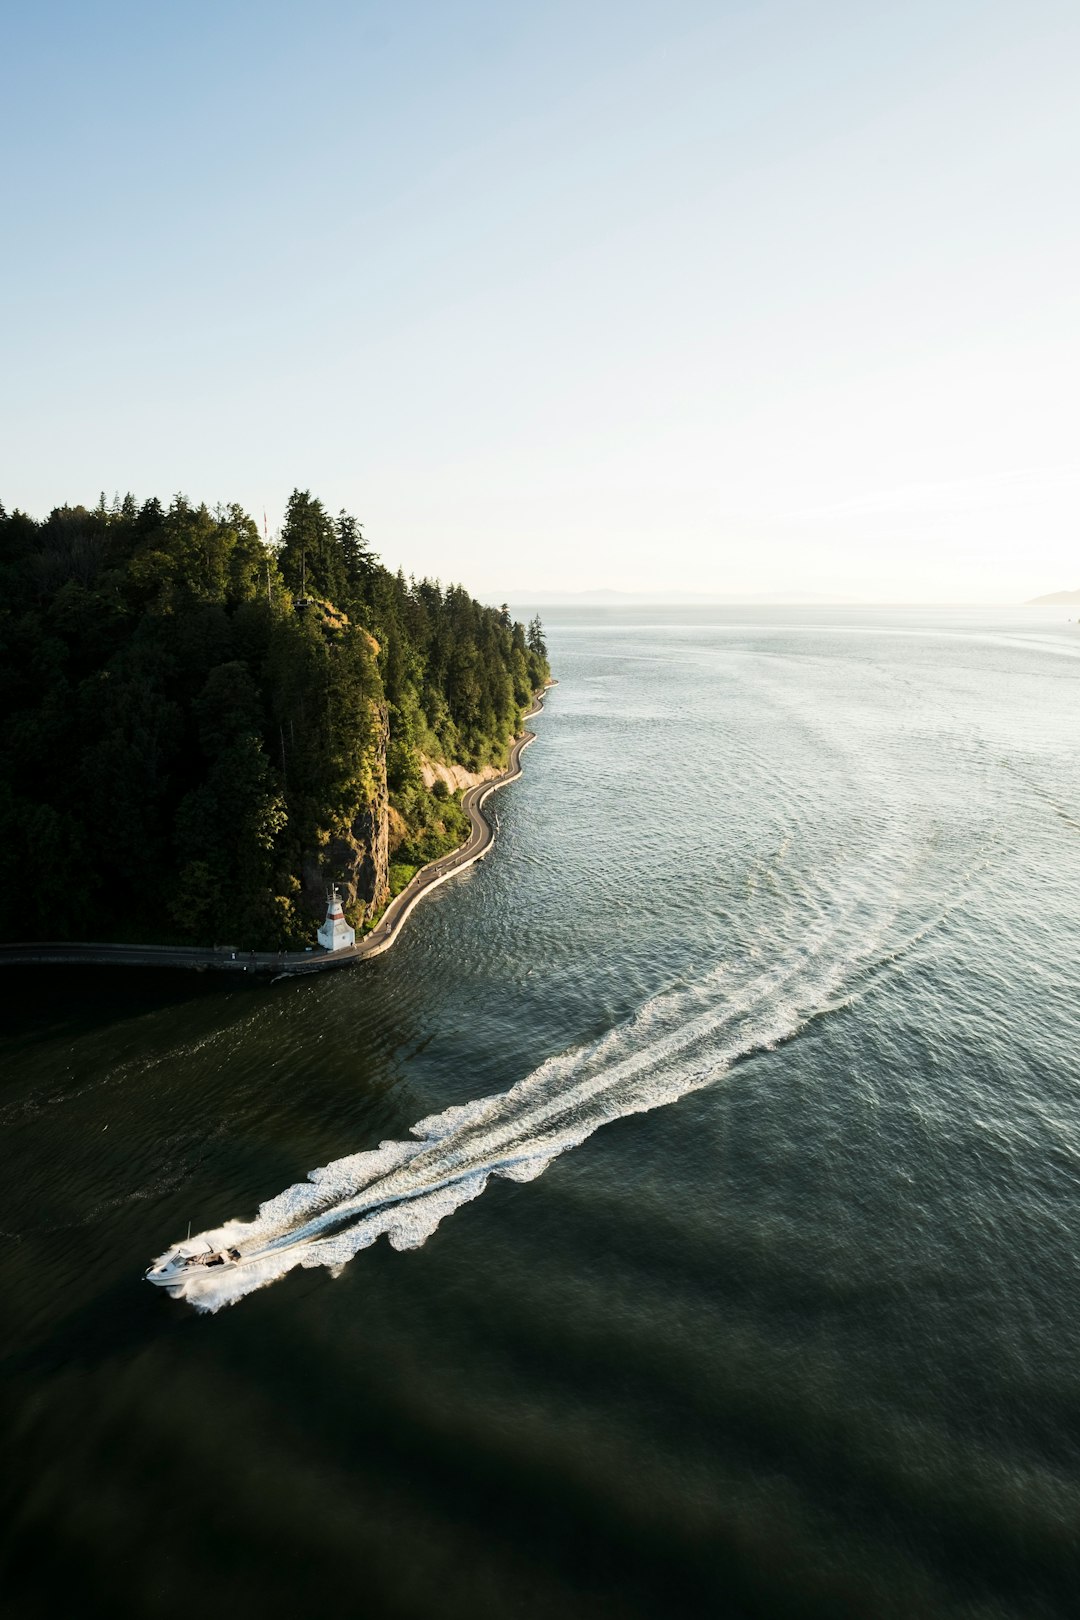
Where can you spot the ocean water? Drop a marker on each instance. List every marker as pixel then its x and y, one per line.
pixel 681 1220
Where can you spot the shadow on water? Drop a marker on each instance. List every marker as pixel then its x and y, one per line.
pixel 117 1323
pixel 38 1003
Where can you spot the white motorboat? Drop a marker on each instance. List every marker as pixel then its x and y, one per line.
pixel 183 1265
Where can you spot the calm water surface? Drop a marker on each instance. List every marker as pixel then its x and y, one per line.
pixel 732 1266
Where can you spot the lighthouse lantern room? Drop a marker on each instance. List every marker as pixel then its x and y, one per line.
pixel 335 933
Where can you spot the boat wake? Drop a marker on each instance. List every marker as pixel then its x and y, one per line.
pixel 679 1041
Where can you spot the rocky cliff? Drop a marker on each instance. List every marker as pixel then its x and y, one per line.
pixel 356 857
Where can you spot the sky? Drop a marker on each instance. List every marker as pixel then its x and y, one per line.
pixel 737 298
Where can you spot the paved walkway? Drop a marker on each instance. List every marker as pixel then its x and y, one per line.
pixel 291 964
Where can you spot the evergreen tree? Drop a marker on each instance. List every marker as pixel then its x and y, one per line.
pixel 179 739
pixel 357 559
pixel 311 557
pixel 537 644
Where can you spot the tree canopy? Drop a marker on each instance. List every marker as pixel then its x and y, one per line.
pixel 191 712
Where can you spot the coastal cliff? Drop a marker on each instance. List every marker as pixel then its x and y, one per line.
pixel 204 731
pixel 357 856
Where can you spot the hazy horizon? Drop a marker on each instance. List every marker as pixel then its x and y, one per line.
pixel 600 596
pixel 744 302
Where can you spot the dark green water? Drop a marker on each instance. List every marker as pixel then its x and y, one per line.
pixel 771 986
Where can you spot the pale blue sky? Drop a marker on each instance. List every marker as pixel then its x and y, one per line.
pixel 718 297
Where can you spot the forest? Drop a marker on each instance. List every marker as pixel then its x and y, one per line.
pixel 201 729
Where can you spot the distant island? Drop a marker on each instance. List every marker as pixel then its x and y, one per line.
pixel 1055 599
pixel 203 731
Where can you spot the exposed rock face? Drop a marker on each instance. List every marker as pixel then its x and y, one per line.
pixel 358 859
pixel 454 776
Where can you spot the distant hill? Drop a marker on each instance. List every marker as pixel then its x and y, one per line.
pixel 1055 599
pixel 611 598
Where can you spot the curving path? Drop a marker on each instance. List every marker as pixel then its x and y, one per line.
pixel 291 964
pixel 480 839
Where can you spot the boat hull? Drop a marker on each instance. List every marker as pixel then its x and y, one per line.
pixel 181 1269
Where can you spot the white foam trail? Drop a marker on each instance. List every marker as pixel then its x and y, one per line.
pixel 678 1042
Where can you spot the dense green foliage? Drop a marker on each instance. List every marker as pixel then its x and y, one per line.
pixel 190 714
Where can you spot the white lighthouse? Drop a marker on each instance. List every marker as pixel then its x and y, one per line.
pixel 335 933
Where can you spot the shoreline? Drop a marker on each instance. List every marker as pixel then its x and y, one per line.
pixel 297 964
pixel 475 848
